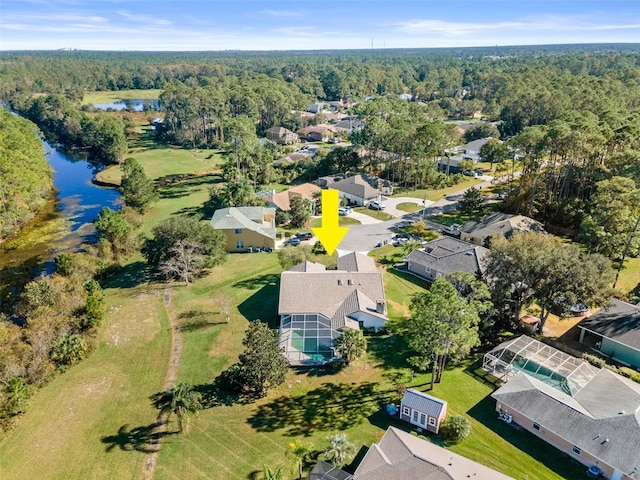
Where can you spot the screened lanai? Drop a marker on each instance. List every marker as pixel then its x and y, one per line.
pixel 525 354
pixel 307 339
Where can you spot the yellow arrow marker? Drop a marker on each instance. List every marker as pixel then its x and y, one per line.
pixel 330 234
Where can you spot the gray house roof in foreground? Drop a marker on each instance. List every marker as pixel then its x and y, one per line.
pixel 326 471
pixel 402 456
pixel 310 288
pixel 447 255
pixel 423 403
pixel 619 321
pixel 607 408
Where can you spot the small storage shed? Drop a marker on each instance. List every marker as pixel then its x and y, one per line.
pixel 423 410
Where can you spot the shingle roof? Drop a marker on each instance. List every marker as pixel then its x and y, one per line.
pixel 279 131
pixel 447 255
pixel 401 456
pixel 356 185
pixel 356 262
pixel 326 471
pixel 503 223
pixel 619 321
pixel 291 158
pixel 423 403
pixel 610 432
pixel 309 288
pixel 251 218
pixel 283 199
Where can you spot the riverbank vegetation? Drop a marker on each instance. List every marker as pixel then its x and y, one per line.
pixel 25 175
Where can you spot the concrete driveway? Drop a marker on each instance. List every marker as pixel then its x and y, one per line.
pixel 363 238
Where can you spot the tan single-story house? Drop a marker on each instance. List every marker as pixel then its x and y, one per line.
pixel 246 227
pixel 498 224
pixel 281 135
pixel 591 414
pixel 358 189
pixel 282 200
pixel 318 133
pixel 422 410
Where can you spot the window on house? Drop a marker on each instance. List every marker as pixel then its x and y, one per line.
pixel 576 450
pixel 405 410
pixel 238 231
pixel 536 426
pixel 423 419
pixel 432 421
pixel 415 416
pixel 239 244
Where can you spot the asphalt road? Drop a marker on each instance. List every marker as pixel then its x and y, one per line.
pixel 363 238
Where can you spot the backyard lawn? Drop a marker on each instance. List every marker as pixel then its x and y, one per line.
pixel 90 98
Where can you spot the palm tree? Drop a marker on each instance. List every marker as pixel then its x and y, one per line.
pixel 183 401
pixel 277 474
pixel 16 395
pixel 351 344
pixel 299 451
pixel 340 450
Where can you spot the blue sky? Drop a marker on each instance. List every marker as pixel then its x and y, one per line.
pixel 309 25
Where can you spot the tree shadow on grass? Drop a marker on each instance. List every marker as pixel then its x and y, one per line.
pixel 194 320
pixel 129 276
pixel 389 351
pixel 263 304
pixel 564 466
pixel 331 407
pixel 143 439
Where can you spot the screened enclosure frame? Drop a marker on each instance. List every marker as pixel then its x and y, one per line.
pixel 539 360
pixel 307 339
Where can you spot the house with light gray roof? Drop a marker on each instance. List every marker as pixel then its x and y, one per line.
pixel 316 304
pixel 595 420
pixel 402 456
pixel 445 255
pixel 246 227
pixel 498 223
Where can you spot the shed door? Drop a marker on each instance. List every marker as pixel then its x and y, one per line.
pixel 617 475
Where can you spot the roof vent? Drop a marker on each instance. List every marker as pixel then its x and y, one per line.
pixel 339 282
pixel 606 440
pixel 349 282
pixel 621 412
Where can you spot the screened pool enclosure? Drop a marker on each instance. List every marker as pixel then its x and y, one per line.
pixel 307 339
pixel 543 362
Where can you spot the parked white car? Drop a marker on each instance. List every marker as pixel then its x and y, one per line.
pixel 376 205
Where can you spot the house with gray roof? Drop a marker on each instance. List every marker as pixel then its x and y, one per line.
pixel 246 227
pixel 402 456
pixel 498 223
pixel 422 410
pixel 359 189
pixel 591 414
pixel 445 255
pixel 615 331
pixel 316 304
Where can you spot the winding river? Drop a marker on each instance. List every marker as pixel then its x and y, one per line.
pixel 64 224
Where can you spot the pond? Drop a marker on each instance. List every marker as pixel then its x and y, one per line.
pixel 138 105
pixel 63 225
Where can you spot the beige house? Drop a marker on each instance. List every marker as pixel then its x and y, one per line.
pixel 281 135
pixel 246 228
pixel 318 133
pixel 591 414
pixel 498 224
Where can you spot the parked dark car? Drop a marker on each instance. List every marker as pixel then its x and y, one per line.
pixel 304 235
pixel 293 242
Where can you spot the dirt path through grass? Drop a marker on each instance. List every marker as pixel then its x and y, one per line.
pixel 151 459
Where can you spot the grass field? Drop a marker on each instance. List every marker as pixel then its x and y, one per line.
pixel 96 420
pixel 409 207
pixel 90 98
pixel 434 195
pixel 343 221
pixel 377 214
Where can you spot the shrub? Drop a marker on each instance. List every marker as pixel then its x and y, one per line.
pixel 456 428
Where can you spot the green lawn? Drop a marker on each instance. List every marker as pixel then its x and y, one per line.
pixel 118 95
pixel 94 420
pixel 377 214
pixel 629 280
pixel 434 195
pixel 409 207
pixel 343 221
